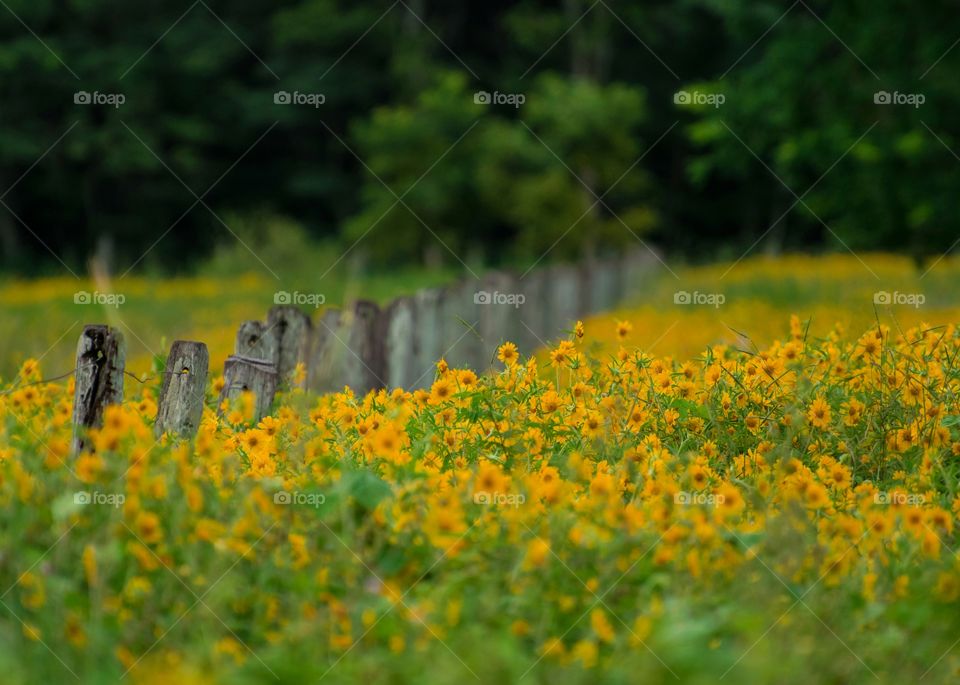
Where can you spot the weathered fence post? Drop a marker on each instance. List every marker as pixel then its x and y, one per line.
pixel 515 330
pixel 602 285
pixel 584 273
pixel 183 390
pixel 497 309
pixel 325 358
pixel 258 376
pixel 363 365
pixel 429 306
pixel 101 355
pixel 461 345
pixel 398 331
pixel 534 315
pixel 615 267
pixel 256 340
pixel 563 298
pixel 637 267
pixel 291 327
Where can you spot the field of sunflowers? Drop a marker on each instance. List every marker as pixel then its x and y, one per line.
pixel 666 494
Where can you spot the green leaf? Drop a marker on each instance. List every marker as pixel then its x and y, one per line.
pixel 688 408
pixel 391 560
pixel 366 488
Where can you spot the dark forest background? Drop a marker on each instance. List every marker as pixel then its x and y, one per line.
pixel 401 159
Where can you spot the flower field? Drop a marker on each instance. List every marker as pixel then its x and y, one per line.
pixel 760 294
pixel 597 512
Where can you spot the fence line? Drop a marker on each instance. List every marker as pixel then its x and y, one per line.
pixel 362 346
pixel 366 347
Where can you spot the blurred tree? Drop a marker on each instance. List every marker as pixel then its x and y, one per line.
pixel 199 83
pixel 809 102
pixel 126 113
pixel 419 188
pixel 521 179
pixel 563 176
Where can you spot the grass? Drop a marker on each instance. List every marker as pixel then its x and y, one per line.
pixel 46 321
pixel 760 294
pixel 826 292
pixel 758 517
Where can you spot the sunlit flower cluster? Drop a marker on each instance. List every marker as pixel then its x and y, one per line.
pixel 514 499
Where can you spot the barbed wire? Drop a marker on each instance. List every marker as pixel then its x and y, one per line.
pixel 21 386
pixel 53 379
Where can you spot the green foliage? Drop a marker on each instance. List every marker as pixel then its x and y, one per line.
pixel 420 161
pixel 576 144
pixel 803 100
pixel 522 177
pixel 199 120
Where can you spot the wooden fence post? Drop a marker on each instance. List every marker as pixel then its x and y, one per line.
pixel 429 307
pixel 601 285
pixel 399 332
pixel 101 355
pixel 616 293
pixel 363 364
pixel 291 327
pixel 638 265
pixel 324 368
pixel 562 284
pixel 254 339
pixel 534 315
pixel 183 390
pixel 241 374
pixel 498 307
pixel 584 273
pixel 461 345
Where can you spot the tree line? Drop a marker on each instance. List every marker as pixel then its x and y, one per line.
pixel 424 131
